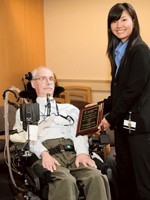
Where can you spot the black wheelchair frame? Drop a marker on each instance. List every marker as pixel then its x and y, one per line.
pixel 35 180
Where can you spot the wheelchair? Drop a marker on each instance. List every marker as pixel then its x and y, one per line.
pixel 34 181
pixel 34 185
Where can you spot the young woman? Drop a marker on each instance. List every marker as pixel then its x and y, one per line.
pixel 127 109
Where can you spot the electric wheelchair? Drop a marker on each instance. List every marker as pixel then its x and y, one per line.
pixel 33 182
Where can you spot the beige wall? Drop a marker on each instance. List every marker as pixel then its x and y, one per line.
pixel 75 37
pixel 21 40
pixel 76 40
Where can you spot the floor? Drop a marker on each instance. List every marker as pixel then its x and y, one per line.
pixel 7 190
pixel 5 184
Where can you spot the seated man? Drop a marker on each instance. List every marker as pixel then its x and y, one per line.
pixel 72 164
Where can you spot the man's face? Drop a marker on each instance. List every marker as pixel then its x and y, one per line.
pixel 44 82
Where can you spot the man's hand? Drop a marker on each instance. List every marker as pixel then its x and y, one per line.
pixel 48 161
pixel 85 160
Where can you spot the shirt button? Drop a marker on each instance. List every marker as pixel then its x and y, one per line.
pixel 115 84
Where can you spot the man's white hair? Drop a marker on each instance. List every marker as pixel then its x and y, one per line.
pixel 35 71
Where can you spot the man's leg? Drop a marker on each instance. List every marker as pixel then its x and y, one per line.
pixel 63 185
pixel 95 185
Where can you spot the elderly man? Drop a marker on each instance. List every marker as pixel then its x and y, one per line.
pixel 57 147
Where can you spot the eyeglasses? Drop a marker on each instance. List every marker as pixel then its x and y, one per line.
pixel 44 79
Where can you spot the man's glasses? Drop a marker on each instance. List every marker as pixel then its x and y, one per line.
pixel 44 79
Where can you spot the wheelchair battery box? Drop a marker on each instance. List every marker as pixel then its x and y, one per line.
pixel 104 139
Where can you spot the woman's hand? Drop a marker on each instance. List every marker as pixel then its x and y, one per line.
pixel 105 124
pixel 90 104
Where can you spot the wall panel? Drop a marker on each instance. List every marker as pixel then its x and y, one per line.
pixel 22 40
pixel 76 36
pixel 100 88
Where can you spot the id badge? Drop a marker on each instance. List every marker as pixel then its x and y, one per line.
pixel 130 125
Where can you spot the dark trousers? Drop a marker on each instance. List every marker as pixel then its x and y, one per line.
pixel 133 165
pixel 64 179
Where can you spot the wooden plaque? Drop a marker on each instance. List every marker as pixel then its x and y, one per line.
pixel 89 120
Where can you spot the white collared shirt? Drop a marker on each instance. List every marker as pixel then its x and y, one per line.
pixel 55 126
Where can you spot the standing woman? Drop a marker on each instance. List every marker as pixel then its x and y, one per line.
pixel 127 109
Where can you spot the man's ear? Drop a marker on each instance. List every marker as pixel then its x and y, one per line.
pixel 32 84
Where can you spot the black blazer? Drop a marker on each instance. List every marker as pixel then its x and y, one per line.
pixel 130 90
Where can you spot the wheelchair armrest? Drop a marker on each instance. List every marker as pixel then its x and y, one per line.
pixel 37 177
pixel 32 179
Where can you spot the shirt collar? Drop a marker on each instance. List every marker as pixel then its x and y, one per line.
pixel 43 101
pixel 121 48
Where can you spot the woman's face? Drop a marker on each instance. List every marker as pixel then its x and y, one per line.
pixel 123 27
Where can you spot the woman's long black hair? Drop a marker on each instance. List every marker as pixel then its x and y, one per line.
pixel 114 15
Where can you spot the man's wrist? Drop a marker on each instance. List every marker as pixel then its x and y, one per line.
pixel 44 152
